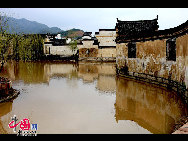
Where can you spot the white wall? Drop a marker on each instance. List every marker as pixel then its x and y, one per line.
pixel 59 50
pixel 86 37
pixel 106 38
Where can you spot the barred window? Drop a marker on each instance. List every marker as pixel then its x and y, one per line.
pixel 132 50
pixel 171 49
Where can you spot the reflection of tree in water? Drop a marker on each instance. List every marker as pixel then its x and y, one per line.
pixel 30 72
pixel 5 108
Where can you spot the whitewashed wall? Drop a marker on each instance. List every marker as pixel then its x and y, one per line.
pixel 59 50
pixel 106 38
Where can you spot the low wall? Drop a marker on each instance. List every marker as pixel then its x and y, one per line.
pixel 93 54
pixel 107 52
pixel 58 50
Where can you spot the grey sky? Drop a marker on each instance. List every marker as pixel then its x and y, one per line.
pixel 93 19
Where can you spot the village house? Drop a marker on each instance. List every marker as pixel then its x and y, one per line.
pixel 101 47
pixel 145 52
pixel 107 44
pixel 54 44
pixel 88 48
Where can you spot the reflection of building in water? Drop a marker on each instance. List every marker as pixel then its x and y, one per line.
pixel 88 72
pixel 60 69
pixel 152 108
pixel 5 108
pixel 106 83
pixel 41 72
pixel 103 72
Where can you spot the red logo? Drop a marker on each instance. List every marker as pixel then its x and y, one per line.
pixel 24 124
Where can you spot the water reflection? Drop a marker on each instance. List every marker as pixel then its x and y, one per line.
pixel 5 108
pixel 72 91
pixel 153 108
pixel 41 72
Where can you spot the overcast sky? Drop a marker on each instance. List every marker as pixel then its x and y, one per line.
pixel 93 19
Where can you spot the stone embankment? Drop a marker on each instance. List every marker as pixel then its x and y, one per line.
pixel 182 126
pixel 7 93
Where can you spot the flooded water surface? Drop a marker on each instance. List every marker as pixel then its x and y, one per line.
pixel 87 97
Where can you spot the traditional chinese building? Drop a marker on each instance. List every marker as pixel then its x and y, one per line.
pixel 88 48
pixel 101 47
pixel 107 44
pixel 54 44
pixel 143 51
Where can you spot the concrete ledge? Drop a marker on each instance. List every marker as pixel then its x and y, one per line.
pixel 182 130
pixel 97 59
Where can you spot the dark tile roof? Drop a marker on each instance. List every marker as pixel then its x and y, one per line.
pixel 87 33
pixel 92 39
pixel 143 35
pixel 87 39
pixel 135 29
pixel 107 29
pixel 101 47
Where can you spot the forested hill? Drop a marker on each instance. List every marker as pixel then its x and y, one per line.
pixel 32 27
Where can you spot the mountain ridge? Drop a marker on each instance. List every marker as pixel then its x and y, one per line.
pixel 33 27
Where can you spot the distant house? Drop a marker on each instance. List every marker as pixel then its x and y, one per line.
pixel 87 35
pixel 58 36
pixel 102 47
pixel 68 40
pixel 87 48
pixel 56 45
pixel 107 44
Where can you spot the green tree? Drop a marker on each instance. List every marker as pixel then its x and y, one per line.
pixel 5 39
pixel 73 45
pixel 19 46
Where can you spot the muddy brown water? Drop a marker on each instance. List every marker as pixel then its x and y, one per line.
pixel 87 97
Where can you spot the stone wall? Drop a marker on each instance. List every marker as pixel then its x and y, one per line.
pixel 107 52
pixel 58 50
pixel 89 51
pixel 151 59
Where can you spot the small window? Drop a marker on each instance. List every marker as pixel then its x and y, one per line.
pixel 171 50
pixel 132 50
